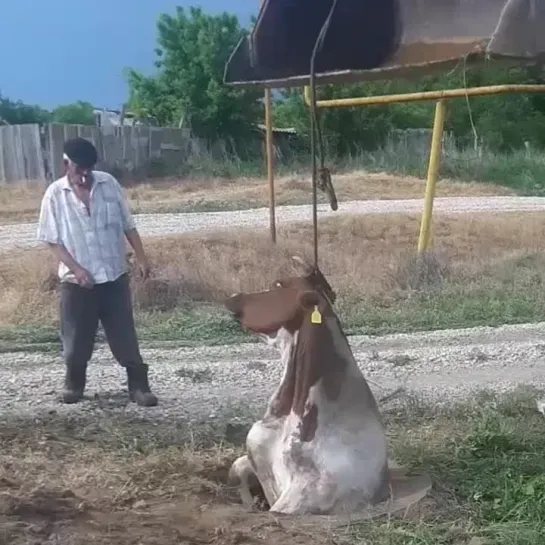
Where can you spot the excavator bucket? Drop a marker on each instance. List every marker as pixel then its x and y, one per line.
pixel 383 39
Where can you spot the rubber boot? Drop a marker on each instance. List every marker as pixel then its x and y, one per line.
pixel 74 383
pixel 139 390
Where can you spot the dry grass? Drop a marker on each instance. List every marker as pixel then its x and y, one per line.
pixel 366 258
pixel 292 190
pixel 20 202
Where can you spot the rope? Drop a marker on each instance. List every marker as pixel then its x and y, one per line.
pixel 320 177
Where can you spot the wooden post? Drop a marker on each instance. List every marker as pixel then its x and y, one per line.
pixel 270 160
pixel 270 163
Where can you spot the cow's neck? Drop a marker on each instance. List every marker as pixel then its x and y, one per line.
pixel 314 354
pixel 282 400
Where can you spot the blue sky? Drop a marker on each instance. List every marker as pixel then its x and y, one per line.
pixel 59 51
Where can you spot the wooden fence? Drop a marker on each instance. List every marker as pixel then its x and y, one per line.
pixel 34 152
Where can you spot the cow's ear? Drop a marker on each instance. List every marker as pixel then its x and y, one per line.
pixel 234 303
pixel 309 299
pixel 304 268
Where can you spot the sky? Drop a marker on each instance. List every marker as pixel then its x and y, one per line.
pixel 55 52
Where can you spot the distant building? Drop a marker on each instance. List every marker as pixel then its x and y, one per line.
pixel 112 118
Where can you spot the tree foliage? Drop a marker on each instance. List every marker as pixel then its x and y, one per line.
pixel 18 113
pixel 502 123
pixel 193 48
pixel 188 88
pixel 79 113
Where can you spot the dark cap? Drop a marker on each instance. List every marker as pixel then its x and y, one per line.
pixel 81 152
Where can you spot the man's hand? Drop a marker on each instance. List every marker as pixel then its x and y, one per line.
pixel 143 268
pixel 134 240
pixel 83 277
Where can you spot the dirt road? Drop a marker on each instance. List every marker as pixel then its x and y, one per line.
pixel 23 235
pixel 199 384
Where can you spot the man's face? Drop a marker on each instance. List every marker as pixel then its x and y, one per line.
pixel 79 175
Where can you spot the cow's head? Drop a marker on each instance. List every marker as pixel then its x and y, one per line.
pixel 286 305
pixel 296 316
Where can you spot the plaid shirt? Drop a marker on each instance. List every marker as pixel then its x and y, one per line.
pixel 96 240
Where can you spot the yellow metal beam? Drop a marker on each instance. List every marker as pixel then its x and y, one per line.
pixel 427 95
pixel 433 174
pixel 270 163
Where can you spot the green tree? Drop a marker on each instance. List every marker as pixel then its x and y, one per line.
pixel 19 113
pixel 188 87
pixel 502 122
pixel 79 113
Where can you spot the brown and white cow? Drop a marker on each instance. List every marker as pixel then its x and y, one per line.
pixel 321 446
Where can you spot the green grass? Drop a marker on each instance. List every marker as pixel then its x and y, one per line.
pixel 516 297
pixel 426 312
pixel 186 326
pixel 452 309
pixel 522 171
pixel 486 461
pixel 204 325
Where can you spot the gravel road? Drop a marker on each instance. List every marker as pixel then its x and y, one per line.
pixel 198 384
pixel 23 235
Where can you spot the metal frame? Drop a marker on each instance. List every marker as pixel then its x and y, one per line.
pixel 436 144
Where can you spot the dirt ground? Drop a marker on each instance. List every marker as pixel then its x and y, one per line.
pixel 66 484
pixel 70 477
pixel 20 202
pixel 73 477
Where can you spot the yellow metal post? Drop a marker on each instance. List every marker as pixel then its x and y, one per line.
pixel 270 163
pixel 433 174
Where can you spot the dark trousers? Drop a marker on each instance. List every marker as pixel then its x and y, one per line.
pixel 81 310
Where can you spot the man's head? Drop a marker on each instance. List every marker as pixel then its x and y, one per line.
pixel 80 157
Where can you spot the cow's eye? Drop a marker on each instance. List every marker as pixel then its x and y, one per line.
pixel 279 284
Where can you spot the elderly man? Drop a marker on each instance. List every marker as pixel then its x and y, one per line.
pixel 84 219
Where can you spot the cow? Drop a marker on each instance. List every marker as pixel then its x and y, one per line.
pixel 321 447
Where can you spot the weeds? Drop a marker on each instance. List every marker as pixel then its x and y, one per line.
pixel 488 470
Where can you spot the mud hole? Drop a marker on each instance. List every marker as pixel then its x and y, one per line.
pixel 70 484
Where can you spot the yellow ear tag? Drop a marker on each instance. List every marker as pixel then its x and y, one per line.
pixel 316 317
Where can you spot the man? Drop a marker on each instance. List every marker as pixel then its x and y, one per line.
pixel 84 219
